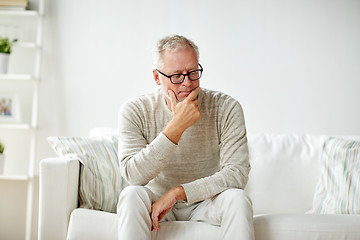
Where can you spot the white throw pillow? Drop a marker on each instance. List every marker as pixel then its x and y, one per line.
pixel 284 171
pixel 100 179
pixel 338 190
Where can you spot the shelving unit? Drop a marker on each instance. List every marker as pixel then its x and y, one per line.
pixel 23 78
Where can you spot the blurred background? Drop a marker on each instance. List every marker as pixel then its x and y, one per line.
pixel 294 65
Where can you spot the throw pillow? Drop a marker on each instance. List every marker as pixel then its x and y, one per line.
pixel 338 190
pixel 100 182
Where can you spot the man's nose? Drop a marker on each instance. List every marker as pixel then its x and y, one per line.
pixel 187 81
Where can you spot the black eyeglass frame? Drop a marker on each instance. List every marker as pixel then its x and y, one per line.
pixel 184 75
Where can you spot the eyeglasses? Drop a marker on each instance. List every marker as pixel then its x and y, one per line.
pixel 179 78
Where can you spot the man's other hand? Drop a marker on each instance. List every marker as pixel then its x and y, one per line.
pixel 164 205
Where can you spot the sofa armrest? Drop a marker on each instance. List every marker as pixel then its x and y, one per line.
pixel 58 196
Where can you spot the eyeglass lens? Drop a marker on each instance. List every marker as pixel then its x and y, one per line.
pixel 193 75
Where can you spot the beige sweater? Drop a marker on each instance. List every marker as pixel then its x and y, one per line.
pixel 211 156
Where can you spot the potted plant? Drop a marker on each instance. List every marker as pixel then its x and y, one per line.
pixel 5 50
pixel 2 157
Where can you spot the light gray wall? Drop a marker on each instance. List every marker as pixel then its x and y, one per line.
pixel 293 65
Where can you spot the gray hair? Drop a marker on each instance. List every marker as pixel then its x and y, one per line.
pixel 173 43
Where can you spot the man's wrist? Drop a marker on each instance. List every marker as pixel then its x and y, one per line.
pixel 180 193
pixel 173 132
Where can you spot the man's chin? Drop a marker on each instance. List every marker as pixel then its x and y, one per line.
pixel 182 96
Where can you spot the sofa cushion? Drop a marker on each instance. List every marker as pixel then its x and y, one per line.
pixel 307 226
pixel 100 180
pixel 338 190
pixel 284 171
pixel 89 224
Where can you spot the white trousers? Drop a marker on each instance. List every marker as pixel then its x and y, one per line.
pixel 231 210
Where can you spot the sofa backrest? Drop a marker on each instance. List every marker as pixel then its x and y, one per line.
pixel 284 172
pixel 285 169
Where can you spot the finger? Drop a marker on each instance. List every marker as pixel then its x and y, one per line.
pixel 173 99
pixel 157 226
pixel 155 223
pixel 153 217
pixel 193 95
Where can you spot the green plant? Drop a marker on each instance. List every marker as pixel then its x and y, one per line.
pixel 2 148
pixel 5 45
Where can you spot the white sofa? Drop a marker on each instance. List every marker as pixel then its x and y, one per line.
pixel 285 171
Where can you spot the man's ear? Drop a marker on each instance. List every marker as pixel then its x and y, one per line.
pixel 156 77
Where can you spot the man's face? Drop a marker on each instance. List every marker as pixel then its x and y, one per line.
pixel 181 61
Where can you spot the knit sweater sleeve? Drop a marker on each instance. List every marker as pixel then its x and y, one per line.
pixel 234 157
pixel 140 161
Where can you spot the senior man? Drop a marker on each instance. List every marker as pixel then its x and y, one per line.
pixel 183 150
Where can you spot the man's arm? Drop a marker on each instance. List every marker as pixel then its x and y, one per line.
pixel 141 162
pixel 185 114
pixel 234 161
pixel 234 157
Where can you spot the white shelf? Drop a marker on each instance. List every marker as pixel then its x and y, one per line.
pixel 13 126
pixel 13 177
pixel 20 13
pixel 15 77
pixel 25 45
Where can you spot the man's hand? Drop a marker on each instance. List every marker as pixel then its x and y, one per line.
pixel 185 114
pixel 164 205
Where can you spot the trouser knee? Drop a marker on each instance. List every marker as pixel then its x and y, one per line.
pixel 134 192
pixel 135 196
pixel 236 197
